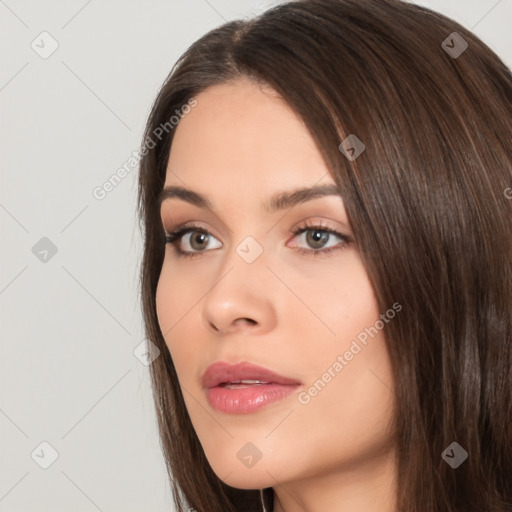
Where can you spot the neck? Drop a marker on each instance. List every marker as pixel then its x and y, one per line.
pixel 367 487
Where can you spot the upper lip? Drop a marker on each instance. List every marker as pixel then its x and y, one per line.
pixel 221 372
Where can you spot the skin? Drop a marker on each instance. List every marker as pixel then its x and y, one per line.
pixel 292 313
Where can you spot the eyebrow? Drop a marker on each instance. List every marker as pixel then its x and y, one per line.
pixel 279 201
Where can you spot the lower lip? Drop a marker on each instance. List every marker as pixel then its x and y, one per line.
pixel 248 399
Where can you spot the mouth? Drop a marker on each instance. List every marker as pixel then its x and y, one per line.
pixel 244 388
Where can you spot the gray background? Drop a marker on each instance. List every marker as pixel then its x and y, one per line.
pixel 70 321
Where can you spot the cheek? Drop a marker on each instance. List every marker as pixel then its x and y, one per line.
pixel 341 298
pixel 349 378
pixel 347 402
pixel 174 302
pixel 178 306
pixel 165 304
pixel 176 295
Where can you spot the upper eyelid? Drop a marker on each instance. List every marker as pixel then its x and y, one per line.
pixel 302 226
pixel 188 227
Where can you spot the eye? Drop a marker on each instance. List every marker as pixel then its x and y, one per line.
pixel 317 237
pixel 195 238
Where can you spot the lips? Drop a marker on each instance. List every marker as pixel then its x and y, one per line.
pixel 245 374
pixel 244 388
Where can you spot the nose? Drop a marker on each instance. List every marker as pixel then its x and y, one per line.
pixel 242 298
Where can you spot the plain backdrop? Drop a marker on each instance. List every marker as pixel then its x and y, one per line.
pixel 77 80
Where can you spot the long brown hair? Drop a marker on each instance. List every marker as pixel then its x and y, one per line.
pixel 427 204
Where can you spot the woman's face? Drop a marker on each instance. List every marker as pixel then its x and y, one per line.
pixel 251 291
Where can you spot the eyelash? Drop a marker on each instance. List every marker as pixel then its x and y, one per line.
pixel 176 234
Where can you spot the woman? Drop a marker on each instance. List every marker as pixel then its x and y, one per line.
pixel 328 262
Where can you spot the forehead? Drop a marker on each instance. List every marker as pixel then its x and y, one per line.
pixel 242 134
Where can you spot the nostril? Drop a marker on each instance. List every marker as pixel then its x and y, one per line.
pixel 242 321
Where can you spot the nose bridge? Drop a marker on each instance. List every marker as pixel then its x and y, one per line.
pixel 241 289
pixel 249 250
pixel 245 265
pixel 247 238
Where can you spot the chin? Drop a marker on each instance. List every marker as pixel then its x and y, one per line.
pixel 235 472
pixel 246 479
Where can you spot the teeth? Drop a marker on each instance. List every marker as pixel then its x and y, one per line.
pixel 244 382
